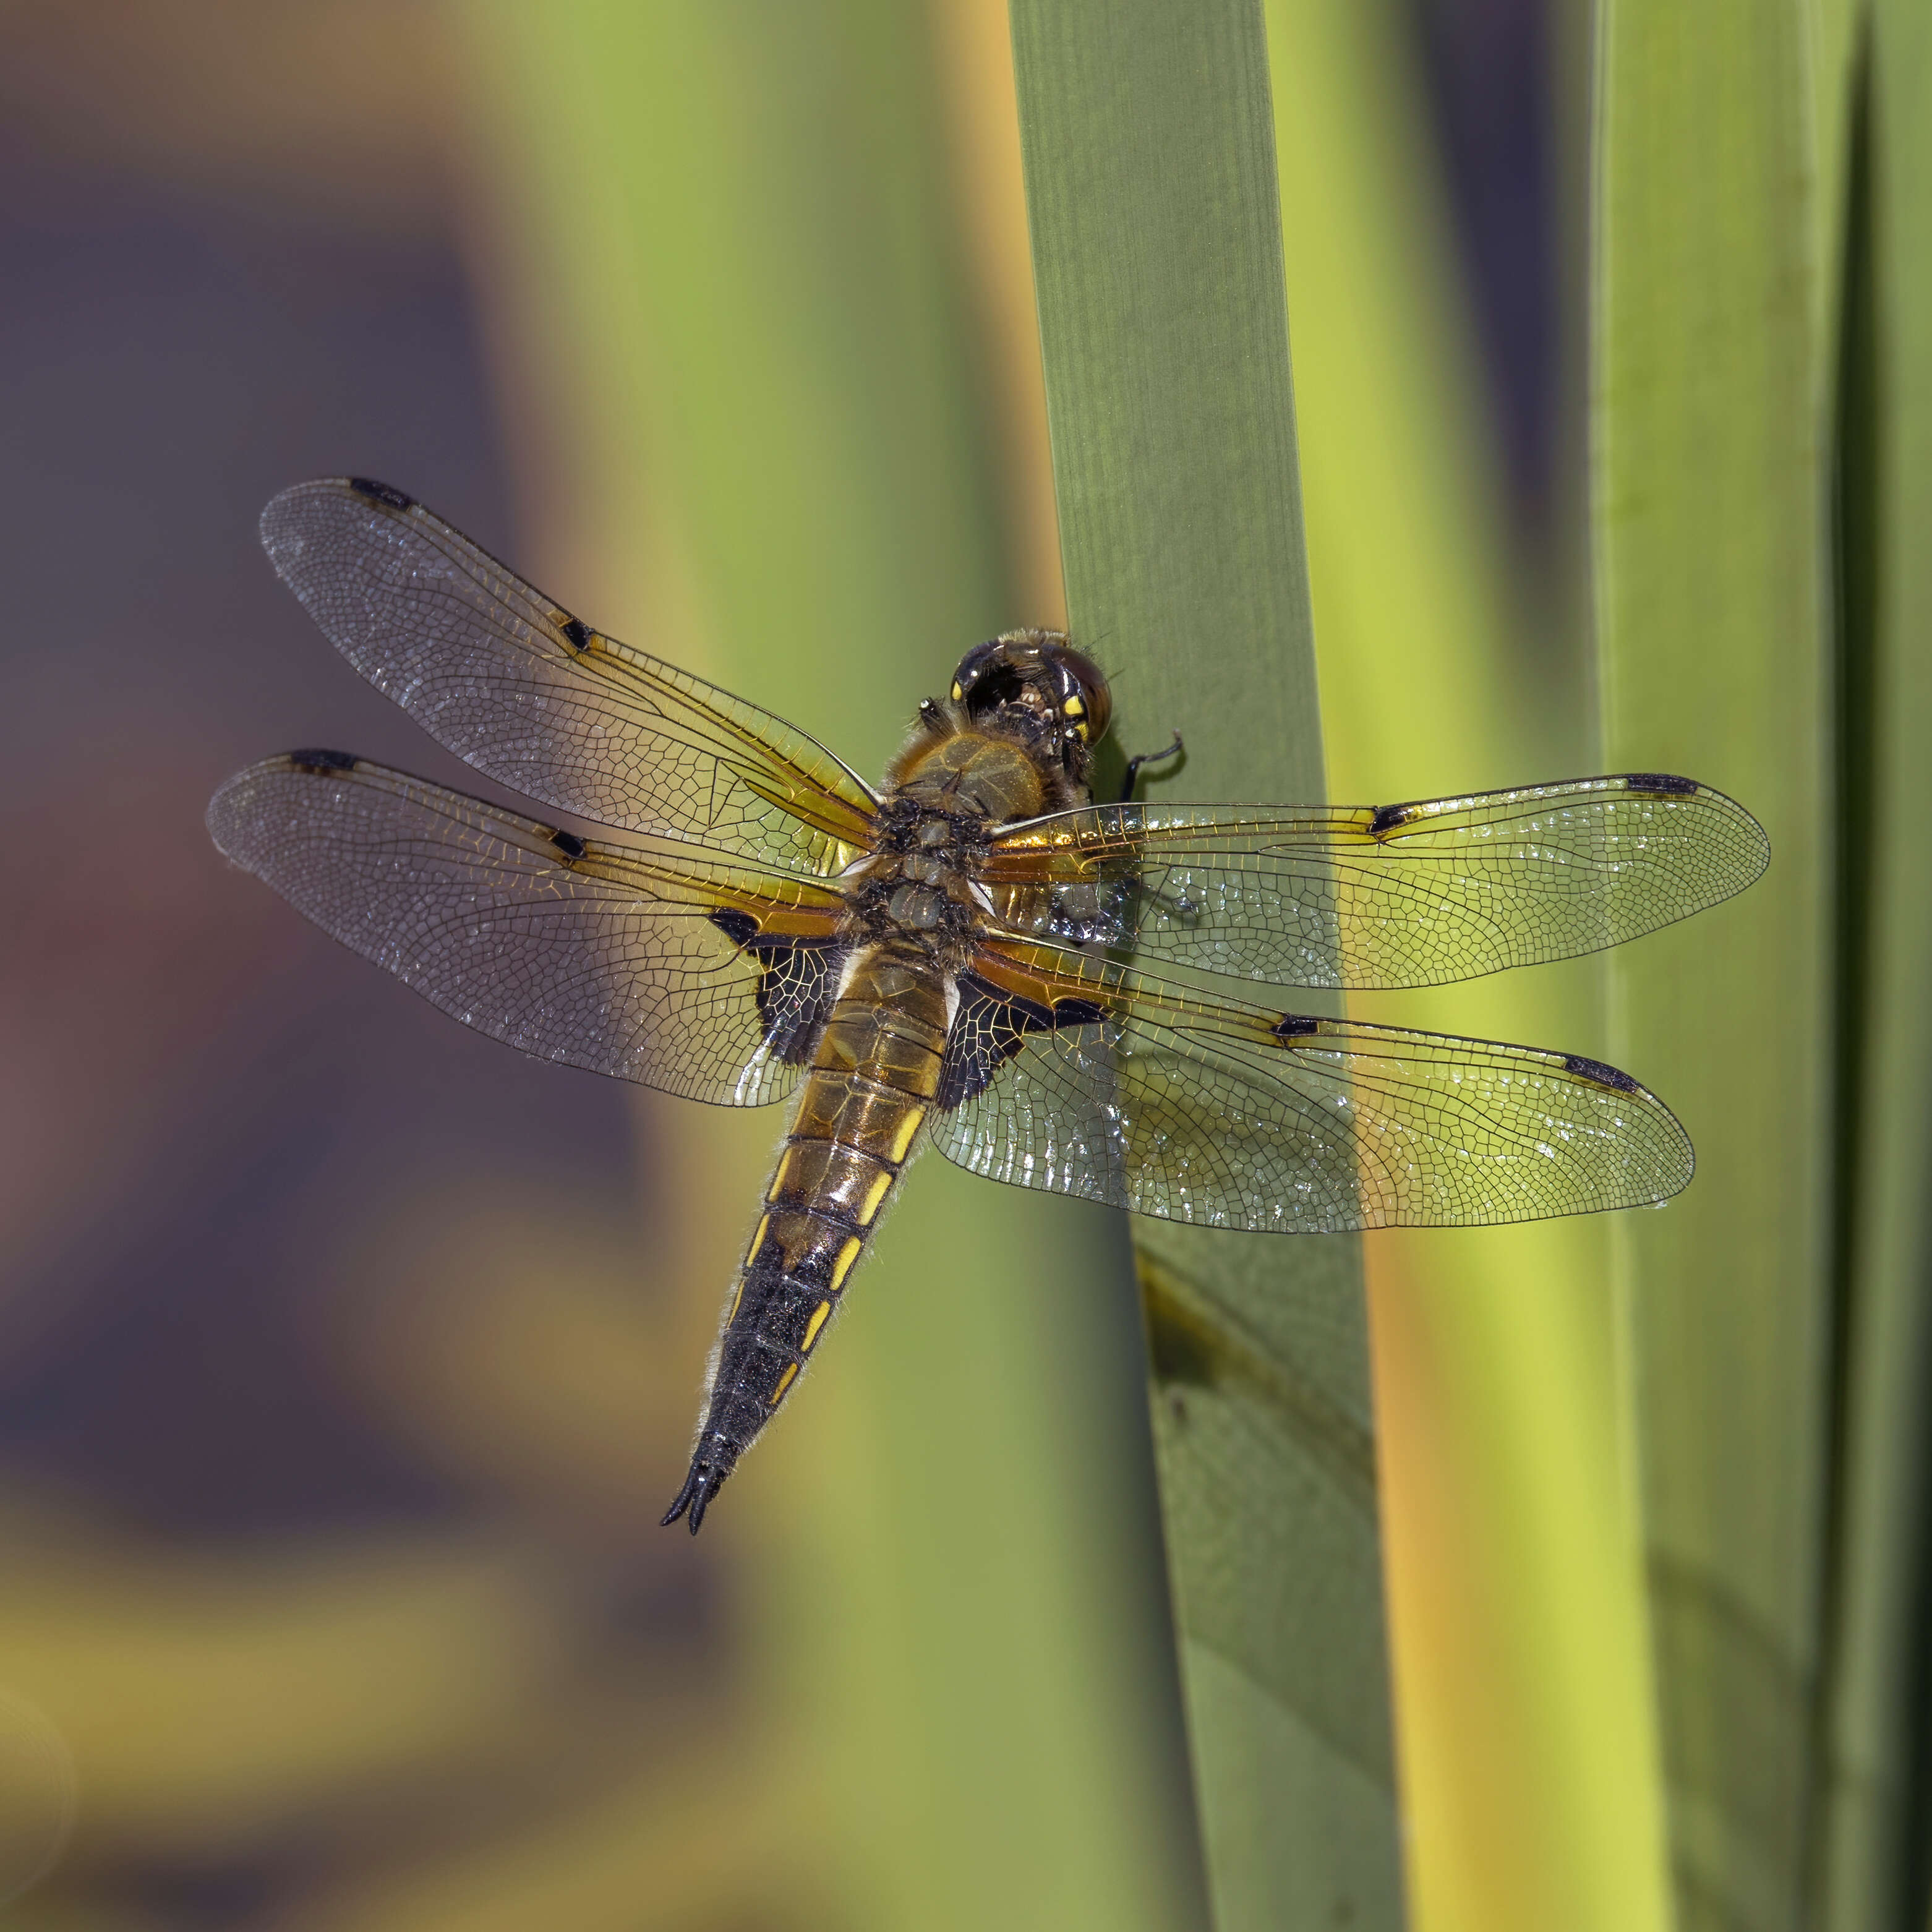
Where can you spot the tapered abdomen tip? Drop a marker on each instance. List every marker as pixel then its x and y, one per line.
pixel 700 1485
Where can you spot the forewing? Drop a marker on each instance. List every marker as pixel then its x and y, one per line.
pixel 511 682
pixel 1105 1084
pixel 1379 896
pixel 707 981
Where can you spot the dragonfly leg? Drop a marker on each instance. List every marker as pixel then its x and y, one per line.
pixel 1134 765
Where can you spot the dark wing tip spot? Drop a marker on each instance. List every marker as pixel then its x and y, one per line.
pixel 381 493
pixel 1665 783
pixel 1613 1078
pixel 569 843
pixel 322 762
pixel 1388 817
pixel 1295 1026
pixel 740 928
pixel 576 633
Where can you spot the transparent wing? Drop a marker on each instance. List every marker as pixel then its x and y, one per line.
pixel 514 683
pixel 1379 896
pixel 707 981
pixel 1108 1085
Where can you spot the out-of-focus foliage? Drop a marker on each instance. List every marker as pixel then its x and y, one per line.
pixel 346 1360
pixel 1711 466
pixel 1523 1716
pixel 1156 230
pixel 1873 1868
pixel 734 276
pixel 904 1678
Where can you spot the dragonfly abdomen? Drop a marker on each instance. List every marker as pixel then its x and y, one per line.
pixel 874 1075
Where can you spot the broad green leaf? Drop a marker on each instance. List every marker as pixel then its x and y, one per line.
pixel 1151 186
pixel 732 292
pixel 1709 471
pixel 1873 1868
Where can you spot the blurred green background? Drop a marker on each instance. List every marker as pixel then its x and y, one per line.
pixel 346 1359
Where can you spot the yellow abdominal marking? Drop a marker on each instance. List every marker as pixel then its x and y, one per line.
pixel 784 1383
pixel 841 1267
pixel 811 1327
pixel 777 1186
pixel 874 1194
pixel 907 1128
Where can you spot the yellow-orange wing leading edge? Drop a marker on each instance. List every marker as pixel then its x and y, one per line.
pixel 1077 1075
pixel 526 692
pixel 658 964
pixel 1411 895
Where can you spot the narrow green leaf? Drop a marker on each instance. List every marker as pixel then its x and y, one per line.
pixel 1709 394
pixel 1151 186
pixel 1527 1747
pixel 1875 1870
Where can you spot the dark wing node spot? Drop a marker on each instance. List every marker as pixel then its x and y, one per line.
pixel 321 763
pixel 989 1029
pixel 1295 1026
pixel 1614 1078
pixel 1388 817
pixel 798 981
pixel 569 843
pixel 1661 781
pixel 381 493
pixel 577 632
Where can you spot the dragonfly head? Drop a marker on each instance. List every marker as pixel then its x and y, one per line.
pixel 1035 685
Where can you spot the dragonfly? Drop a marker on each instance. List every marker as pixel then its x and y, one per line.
pixel 1062 993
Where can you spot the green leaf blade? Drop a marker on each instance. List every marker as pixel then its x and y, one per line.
pixel 1153 193
pixel 1710 527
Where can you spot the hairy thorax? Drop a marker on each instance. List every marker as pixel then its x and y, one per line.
pixel 948 795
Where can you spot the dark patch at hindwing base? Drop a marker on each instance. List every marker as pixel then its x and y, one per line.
pixel 798 981
pixel 990 1027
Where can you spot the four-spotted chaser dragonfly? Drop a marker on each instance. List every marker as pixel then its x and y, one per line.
pixel 963 956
